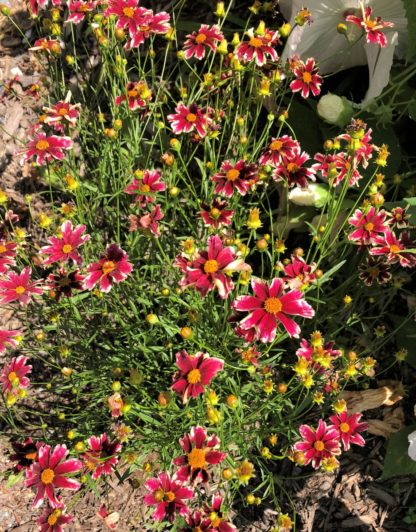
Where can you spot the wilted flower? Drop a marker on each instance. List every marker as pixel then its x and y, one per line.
pixel 53 520
pixel 101 458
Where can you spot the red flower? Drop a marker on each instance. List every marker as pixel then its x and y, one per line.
pixel 65 247
pixel 25 453
pixel 17 287
pixel 197 42
pixel 368 225
pixel 270 306
pixel 298 274
pixel 200 454
pixel 126 12
pixel 318 352
pixel 349 427
pixel 78 10
pixel 216 215
pixel 148 24
pixel 374 270
pixel 258 47
pixel 398 217
pixel 190 118
pixel 371 26
pixel 6 340
pixel 113 267
pixel 13 375
pixel 49 472
pixel 195 372
pixel 358 142
pixel 216 516
pixel 307 78
pixel 318 444
pixel 61 283
pixel 292 171
pixel 61 112
pixel 53 520
pixel 102 456
pixel 148 223
pixel 138 95
pixel 211 269
pixel 197 522
pixel 279 149
pixel 45 148
pixel 46 45
pixel 235 177
pixel 394 249
pixel 168 496
pixel 146 187
pixel 336 166
pixel 7 255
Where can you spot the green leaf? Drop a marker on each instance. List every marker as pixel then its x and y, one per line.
pixel 397 461
pixel 406 339
pixel 412 209
pixel 410 7
pixel 327 275
pixel 14 479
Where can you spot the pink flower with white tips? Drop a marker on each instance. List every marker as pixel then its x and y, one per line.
pixel 53 520
pixel 217 517
pixel 19 287
pixel 198 41
pixel 278 149
pixel 318 444
pixel 258 47
pixel 349 427
pixel 101 457
pixel 65 247
pixel 394 249
pixel 147 24
pixel 235 177
pixel 146 187
pixel 297 273
pixel 78 10
pixel 126 12
pixel 13 375
pixel 49 472
pixel 45 148
pixel 368 225
pixel 168 495
pixel 147 223
pixel 138 95
pixel 190 118
pixel 337 166
pixel 195 372
pixel 7 255
pixel 307 78
pixel 112 268
pixel 61 113
pixel 292 171
pixel 371 26
pixel 6 340
pixel 270 306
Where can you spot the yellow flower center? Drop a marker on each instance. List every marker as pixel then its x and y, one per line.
pixel 232 174
pixel 194 376
pixel 158 495
pixel 319 445
pixel 20 290
pixel 201 38
pixel 344 427
pixel 215 213
pixel 47 476
pixel 373 272
pixel 273 305
pixel 13 376
pixel 211 266
pixel 31 456
pixel 196 458
pixel 307 77
pixel 53 518
pixel 276 145
pixel 169 496
pixel 191 117
pixel 144 28
pixel 67 248
pixel 369 226
pixel 256 42
pixel 292 168
pixel 3 249
pixel 63 111
pixel 371 24
pixel 133 93
pixel 394 248
pixel 42 145
pixel 144 188
pixel 128 12
pixel 108 266
pixel 215 519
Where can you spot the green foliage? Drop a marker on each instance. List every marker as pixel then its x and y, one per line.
pixel 397 461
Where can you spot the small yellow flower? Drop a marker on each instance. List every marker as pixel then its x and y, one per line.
pixel 44 220
pixel 265 87
pixel 401 354
pixel 268 386
pixel 284 522
pixel 265 452
pixel 220 11
pixel 3 197
pixel 212 398
pixel 301 367
pixel 383 155
pixel 347 300
pixel 330 464
pixel 254 221
pixel 339 406
pixel 318 398
pixel 214 416
pixel 245 471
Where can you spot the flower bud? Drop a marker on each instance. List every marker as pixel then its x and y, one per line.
pixel 335 109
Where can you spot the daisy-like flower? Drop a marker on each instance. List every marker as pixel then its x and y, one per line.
pixel 65 247
pixel 49 472
pixel 113 267
pixel 292 171
pixel 195 372
pixel 335 166
pixel 13 375
pixel 146 187
pixel 7 255
pixel 372 27
pixel 374 270
pixel 168 495
pixel 126 12
pixel 393 248
pixel 238 177
pixel 198 41
pixel 245 472
pixel 18 287
pixel 368 225
pixel 78 10
pixel 298 274
pixel 53 520
pixel 190 118
pixel 197 521
pixel 101 458
pixel 200 453
pixel 270 306
pixel 61 113
pixel 50 46
pixel 307 78
pixel 278 149
pixel 216 515
pixel 211 269
pixel 398 217
pixel 318 444
pixel 148 223
pixel 258 47
pixel 25 453
pixel 147 24
pixel 61 283
pixel 318 352
pixel 7 340
pixel 138 95
pixel 349 428
pixel 358 139
pixel 216 215
pixel 45 148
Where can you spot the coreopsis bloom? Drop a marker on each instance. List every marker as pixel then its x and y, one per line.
pixel 65 247
pixel 126 12
pixel 61 283
pixel 368 225
pixel 307 78
pixel 374 270
pixel 358 139
pixel 115 404
pixel 278 149
pixel 53 520
pixel 101 457
pixel 113 267
pixel 249 355
pixel 200 454
pixel 168 496
pixel 18 287
pixel 146 187
pixel 238 177
pixel 245 472
pixel 211 269
pixel 190 118
pixel 371 26
pixel 25 453
pixel 216 515
pixel 195 372
pixel 196 521
pixel 270 306
pixel 61 113
pixel 138 95
pixel 349 427
pixel 336 166
pixel 7 340
pixel 393 248
pixel 398 217
pixel 50 46
pixel 147 223
pixel 147 24
pixel 292 171
pixel 13 375
pixel 78 10
pixel 298 274
pixel 45 148
pixel 318 444
pixel 258 47
pixel 216 214
pixel 198 41
pixel 7 255
pixel 318 352
pixel 49 472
